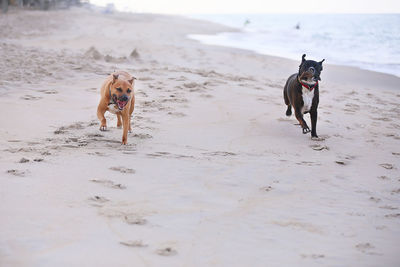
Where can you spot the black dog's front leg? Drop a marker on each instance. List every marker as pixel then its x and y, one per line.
pixel 314 116
pixel 299 117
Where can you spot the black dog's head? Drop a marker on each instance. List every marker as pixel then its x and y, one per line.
pixel 310 70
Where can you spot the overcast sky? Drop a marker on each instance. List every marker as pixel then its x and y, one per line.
pixel 256 6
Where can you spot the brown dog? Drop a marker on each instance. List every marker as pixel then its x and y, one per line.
pixel 117 97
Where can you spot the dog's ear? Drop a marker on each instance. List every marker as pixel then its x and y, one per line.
pixel 115 77
pixel 131 80
pixel 303 58
pixel 320 63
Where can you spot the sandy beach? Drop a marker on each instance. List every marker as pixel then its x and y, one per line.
pixel 214 173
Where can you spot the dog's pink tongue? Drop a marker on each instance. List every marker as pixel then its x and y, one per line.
pixel 121 104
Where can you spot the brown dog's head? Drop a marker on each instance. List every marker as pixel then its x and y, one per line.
pixel 121 91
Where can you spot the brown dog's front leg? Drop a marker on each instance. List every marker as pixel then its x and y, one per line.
pixel 299 117
pixel 125 122
pixel 119 123
pixel 131 108
pixel 100 114
pixel 130 128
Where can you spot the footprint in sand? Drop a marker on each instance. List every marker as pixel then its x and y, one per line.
pixel 206 96
pixel 284 119
pixel 23 160
pixel 351 107
pixel 318 147
pixel 142 136
pixel 134 243
pixel 392 135
pixel 109 183
pixel 396 191
pixel 394 215
pixel 122 170
pixel 95 135
pixel 308 227
pixel 357 214
pixel 194 87
pixel 374 199
pixel 312 256
pixel 352 93
pixel 60 130
pixel 98 199
pixel 167 155
pixel 346 160
pixel 97 153
pixel 365 247
pixel 146 79
pixel 387 207
pixel 134 219
pixel 177 114
pixel 92 89
pixel 14 141
pixel 173 99
pixel 220 153
pixel 74 126
pixel 159 154
pixel 266 188
pixel 166 251
pixel 308 163
pixel 49 92
pixel 31 97
pixel 380 119
pixel 16 173
pixel 92 123
pixel 387 166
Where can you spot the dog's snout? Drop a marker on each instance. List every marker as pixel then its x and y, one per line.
pixel 124 98
pixel 311 69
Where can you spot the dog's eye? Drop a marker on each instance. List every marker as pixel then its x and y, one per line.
pixel 128 91
pixel 119 89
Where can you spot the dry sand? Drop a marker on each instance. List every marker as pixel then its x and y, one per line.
pixel 214 173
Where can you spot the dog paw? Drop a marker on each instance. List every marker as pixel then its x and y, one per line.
pixel 317 139
pixel 306 130
pixel 103 128
pixel 166 251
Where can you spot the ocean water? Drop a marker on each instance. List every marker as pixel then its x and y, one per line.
pixel 367 41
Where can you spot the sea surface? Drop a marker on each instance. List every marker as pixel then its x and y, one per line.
pixel 367 41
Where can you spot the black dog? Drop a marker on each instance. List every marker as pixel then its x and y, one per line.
pixel 301 91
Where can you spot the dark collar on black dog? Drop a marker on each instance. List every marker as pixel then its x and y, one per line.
pixel 306 85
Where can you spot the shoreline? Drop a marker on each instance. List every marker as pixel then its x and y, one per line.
pixel 213 165
pixel 216 40
pixel 338 65
pixel 289 58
